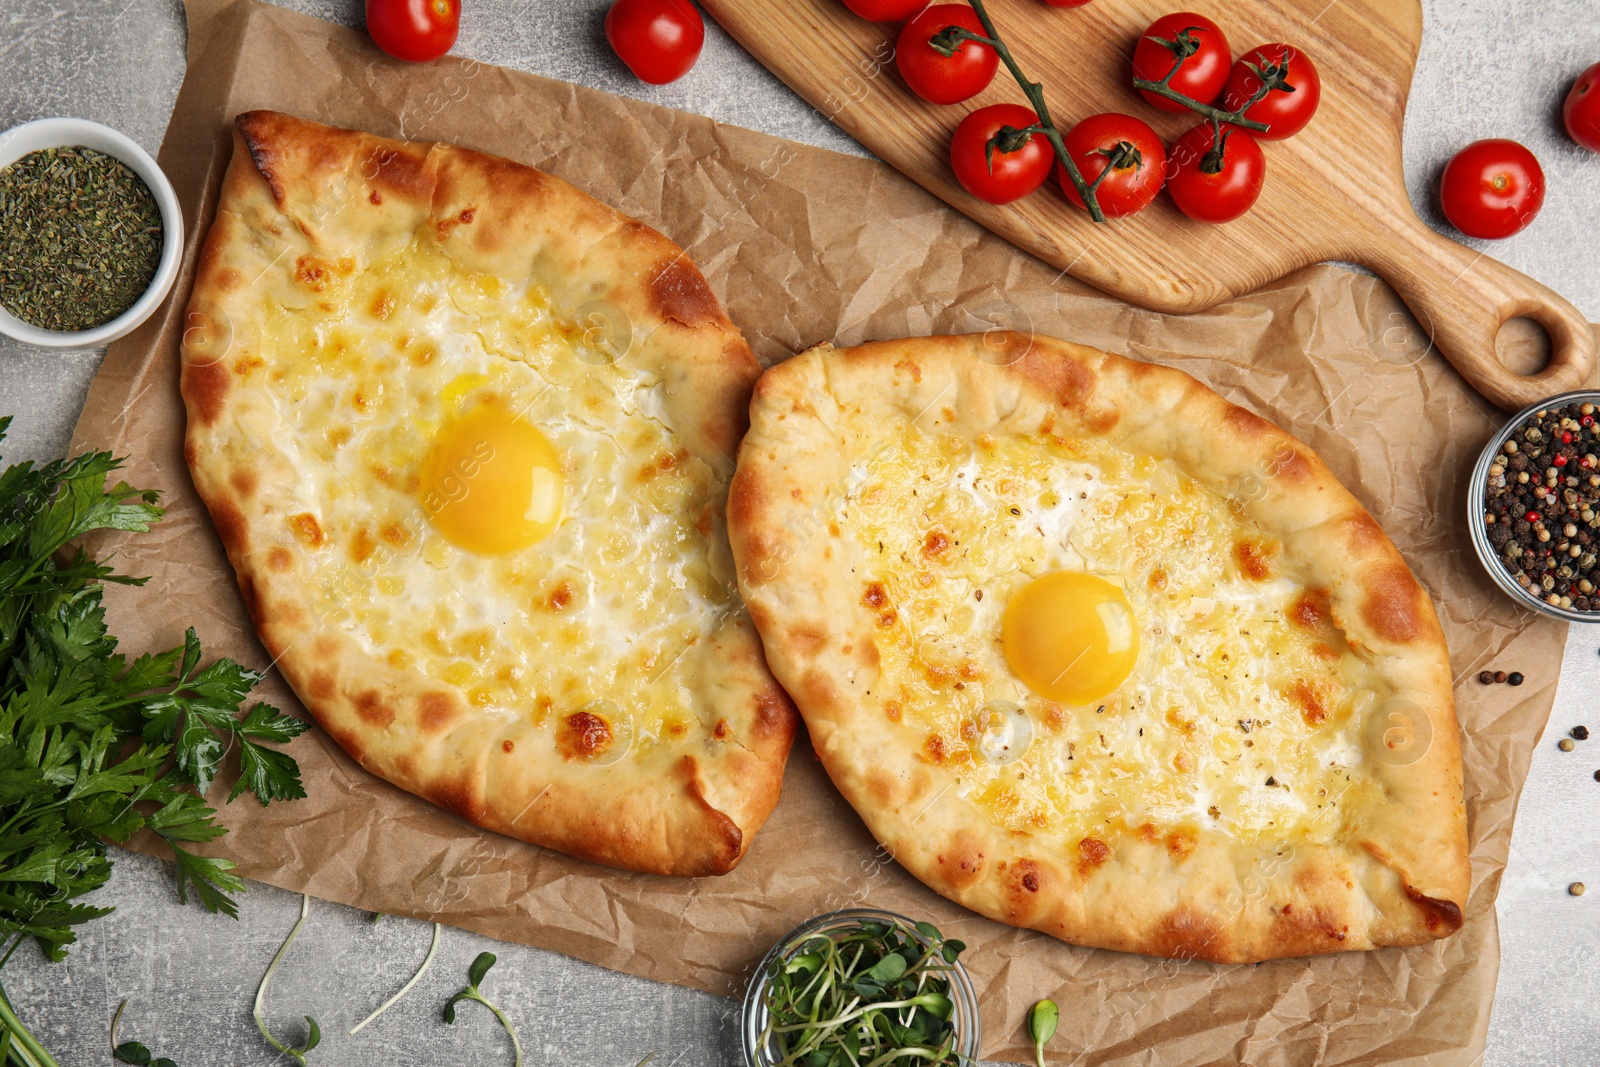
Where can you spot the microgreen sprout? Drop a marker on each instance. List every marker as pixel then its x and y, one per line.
pixel 132 1052
pixel 475 975
pixel 863 996
pixel 313 1031
pixel 427 961
pixel 1042 1021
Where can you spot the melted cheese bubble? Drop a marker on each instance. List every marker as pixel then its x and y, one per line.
pixel 1070 636
pixel 492 483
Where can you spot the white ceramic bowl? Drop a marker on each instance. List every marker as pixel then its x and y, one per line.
pixel 60 133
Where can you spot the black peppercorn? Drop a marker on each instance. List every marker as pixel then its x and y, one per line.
pixel 1515 678
pixel 1581 733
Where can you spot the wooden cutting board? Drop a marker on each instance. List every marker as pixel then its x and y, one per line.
pixel 1335 191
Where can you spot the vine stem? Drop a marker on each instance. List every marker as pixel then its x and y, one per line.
pixel 1034 91
pixel 427 961
pixel 1164 88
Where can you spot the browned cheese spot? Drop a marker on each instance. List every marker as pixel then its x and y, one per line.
pixel 313 272
pixel 1309 609
pixel 1305 696
pixel 583 735
pixel 362 546
pixel 1255 560
pixel 561 595
pixel 1092 852
pixel 396 533
pixel 307 529
pixel 1181 843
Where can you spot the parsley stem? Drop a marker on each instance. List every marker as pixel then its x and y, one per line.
pixel 21 1045
pixel 427 961
pixel 297 1054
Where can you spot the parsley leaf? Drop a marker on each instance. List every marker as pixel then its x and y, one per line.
pixel 94 748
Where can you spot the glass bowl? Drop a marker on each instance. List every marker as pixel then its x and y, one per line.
pixel 1477 491
pixel 753 1019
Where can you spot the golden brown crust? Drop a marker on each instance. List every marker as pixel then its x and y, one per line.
pixel 1399 877
pixel 300 199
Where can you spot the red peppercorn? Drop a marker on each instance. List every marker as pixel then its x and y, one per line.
pixel 1561 461
pixel 1532 516
pixel 1566 438
pixel 1586 421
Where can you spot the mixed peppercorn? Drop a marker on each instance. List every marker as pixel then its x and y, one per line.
pixel 1542 506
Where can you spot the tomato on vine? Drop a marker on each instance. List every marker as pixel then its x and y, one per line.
pixel 998 155
pixel 1492 188
pixel 1276 84
pixel 1212 180
pixel 1121 158
pixel 938 65
pixel 659 40
pixel 414 30
pixel 1581 111
pixel 1192 50
pixel 885 10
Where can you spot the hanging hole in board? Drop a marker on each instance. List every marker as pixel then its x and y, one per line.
pixel 1523 346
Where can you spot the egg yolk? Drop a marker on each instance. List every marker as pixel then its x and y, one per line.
pixel 1070 637
pixel 491 483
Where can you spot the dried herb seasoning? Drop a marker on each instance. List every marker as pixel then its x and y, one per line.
pixel 80 238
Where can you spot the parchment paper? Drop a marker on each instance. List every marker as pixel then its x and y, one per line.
pixel 803 246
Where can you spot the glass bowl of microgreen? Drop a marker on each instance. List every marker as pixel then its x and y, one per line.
pixel 91 234
pixel 856 987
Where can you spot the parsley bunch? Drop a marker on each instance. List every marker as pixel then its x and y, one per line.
pixel 94 748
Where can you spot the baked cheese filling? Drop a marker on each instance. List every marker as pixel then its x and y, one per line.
pixel 1240 712
pixel 613 574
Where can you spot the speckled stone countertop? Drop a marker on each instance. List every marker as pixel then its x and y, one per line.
pixel 1487 68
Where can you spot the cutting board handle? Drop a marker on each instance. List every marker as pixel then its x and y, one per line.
pixel 1463 297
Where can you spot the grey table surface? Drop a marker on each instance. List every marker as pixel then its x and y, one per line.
pixel 1487 68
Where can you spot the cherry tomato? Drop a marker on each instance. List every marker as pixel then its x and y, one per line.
pixel 1215 186
pixel 1131 150
pixel 1007 173
pixel 886 10
pixel 1581 112
pixel 938 78
pixel 415 30
pixel 1492 188
pixel 1292 100
pixel 1198 43
pixel 659 40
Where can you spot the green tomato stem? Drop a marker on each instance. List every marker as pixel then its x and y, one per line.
pixel 1034 91
pixel 1215 114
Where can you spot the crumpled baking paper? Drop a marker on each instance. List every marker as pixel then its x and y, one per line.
pixel 804 246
